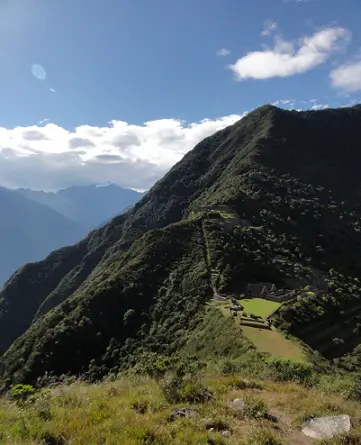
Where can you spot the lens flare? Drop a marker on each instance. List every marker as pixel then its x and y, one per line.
pixel 38 71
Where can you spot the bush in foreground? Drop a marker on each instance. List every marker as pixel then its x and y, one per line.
pixel 21 392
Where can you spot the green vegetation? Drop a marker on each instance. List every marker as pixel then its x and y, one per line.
pixel 135 409
pixel 216 337
pixel 21 392
pixel 288 371
pixel 274 199
pixel 259 306
pixel 330 323
pixel 274 343
pixel 270 342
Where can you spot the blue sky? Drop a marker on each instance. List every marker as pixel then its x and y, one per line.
pixel 160 61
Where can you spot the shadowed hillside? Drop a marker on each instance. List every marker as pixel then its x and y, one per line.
pixel 89 206
pixel 29 231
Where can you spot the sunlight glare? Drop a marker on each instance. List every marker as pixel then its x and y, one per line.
pixel 38 71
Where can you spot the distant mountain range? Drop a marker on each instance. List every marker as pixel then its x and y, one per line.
pixel 29 231
pixel 89 206
pixel 34 223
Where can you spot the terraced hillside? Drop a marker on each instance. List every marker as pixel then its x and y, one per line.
pixel 279 198
pixel 254 326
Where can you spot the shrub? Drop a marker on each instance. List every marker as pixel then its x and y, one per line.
pixel 140 406
pixel 255 408
pixel 188 366
pixel 194 393
pixel 229 368
pixel 182 383
pixel 153 364
pixel 170 388
pixel 288 371
pixel 21 392
pixel 341 384
pixel 177 389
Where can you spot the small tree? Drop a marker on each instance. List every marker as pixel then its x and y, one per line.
pixel 21 392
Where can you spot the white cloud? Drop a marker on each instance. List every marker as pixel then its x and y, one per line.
pixel 287 58
pixel 43 121
pixel 50 157
pixel 269 27
pixel 317 107
pixel 34 135
pixel 313 104
pixel 283 102
pixel 223 52
pixel 351 103
pixel 347 77
pixel 77 142
pixel 52 90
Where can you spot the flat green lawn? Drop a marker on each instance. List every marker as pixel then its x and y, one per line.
pixel 259 306
pixel 270 342
pixel 274 343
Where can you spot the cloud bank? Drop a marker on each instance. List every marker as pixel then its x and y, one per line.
pixel 49 157
pixel 347 77
pixel 289 58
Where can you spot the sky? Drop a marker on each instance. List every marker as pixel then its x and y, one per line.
pixel 97 91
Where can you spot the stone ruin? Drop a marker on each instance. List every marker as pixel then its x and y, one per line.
pixel 259 289
pixel 267 291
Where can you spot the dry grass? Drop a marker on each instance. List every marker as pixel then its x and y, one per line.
pixel 134 411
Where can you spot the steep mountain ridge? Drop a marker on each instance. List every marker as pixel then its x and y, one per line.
pixel 138 282
pixel 165 203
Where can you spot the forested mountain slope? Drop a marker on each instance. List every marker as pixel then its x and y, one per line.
pixel 275 197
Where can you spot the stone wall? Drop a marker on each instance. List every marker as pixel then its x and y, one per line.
pixel 255 325
pixel 259 289
pixel 288 296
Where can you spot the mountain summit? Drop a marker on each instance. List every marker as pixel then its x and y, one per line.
pixel 273 198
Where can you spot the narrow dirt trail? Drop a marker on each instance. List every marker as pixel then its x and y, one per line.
pixel 207 257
